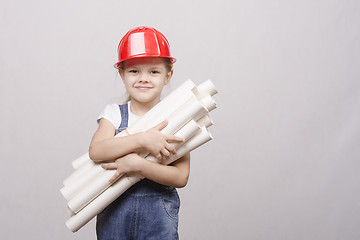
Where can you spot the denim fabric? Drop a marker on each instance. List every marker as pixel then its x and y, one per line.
pixel 147 210
pixel 124 117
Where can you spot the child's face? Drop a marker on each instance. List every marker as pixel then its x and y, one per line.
pixel 144 79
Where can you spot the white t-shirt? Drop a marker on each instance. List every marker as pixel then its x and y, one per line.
pixel 112 114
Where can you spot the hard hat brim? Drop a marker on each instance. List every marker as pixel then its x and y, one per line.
pixel 117 65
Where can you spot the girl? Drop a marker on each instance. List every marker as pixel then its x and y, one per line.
pixel 149 209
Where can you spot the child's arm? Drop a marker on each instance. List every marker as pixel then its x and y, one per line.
pixel 104 146
pixel 175 175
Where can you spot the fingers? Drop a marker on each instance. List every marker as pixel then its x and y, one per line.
pixel 169 137
pixel 165 153
pixel 170 148
pixel 109 166
pixel 173 138
pixel 112 166
pixel 159 144
pixel 115 176
pixel 162 155
pixel 161 125
pixel 158 156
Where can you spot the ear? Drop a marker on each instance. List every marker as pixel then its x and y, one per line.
pixel 169 75
pixel 121 73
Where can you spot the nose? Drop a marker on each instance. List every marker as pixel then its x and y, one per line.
pixel 143 78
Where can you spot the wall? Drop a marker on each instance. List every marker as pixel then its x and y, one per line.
pixel 284 162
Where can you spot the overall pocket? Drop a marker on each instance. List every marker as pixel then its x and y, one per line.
pixel 171 204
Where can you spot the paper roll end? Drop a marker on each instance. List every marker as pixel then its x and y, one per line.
pixel 205 121
pixel 206 88
pixel 70 225
pixel 210 135
pixel 208 102
pixel 63 193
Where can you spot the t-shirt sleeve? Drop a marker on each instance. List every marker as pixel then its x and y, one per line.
pixel 112 114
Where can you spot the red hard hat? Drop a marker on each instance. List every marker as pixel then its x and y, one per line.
pixel 143 42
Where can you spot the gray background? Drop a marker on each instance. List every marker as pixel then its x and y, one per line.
pixel 284 162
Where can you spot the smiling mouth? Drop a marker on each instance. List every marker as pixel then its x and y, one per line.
pixel 143 87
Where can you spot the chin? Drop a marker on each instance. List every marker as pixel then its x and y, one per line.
pixel 145 100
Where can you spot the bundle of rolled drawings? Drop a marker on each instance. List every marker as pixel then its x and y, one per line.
pixel 87 190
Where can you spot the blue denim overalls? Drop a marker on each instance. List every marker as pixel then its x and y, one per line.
pixel 147 210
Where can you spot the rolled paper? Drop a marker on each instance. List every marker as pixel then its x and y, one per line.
pixel 183 115
pixel 208 102
pixel 204 89
pixel 79 183
pixel 186 132
pixel 95 207
pixel 125 182
pixel 201 137
pixel 79 172
pixel 90 191
pixel 86 192
pixel 205 121
pixel 77 163
pixel 71 213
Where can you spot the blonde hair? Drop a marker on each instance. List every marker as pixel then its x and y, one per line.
pixel 127 99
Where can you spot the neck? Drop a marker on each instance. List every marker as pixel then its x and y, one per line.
pixel 139 108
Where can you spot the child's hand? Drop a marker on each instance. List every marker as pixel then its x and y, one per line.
pixel 128 163
pixel 157 143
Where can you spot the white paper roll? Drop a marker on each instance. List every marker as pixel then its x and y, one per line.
pixel 77 163
pixel 79 172
pixel 71 213
pixel 124 183
pixel 186 132
pixel 205 121
pixel 184 114
pixel 96 206
pixel 90 191
pixel 208 102
pixel 70 190
pixel 201 137
pixel 204 89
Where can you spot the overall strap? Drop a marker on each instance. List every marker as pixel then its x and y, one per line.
pixel 124 117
